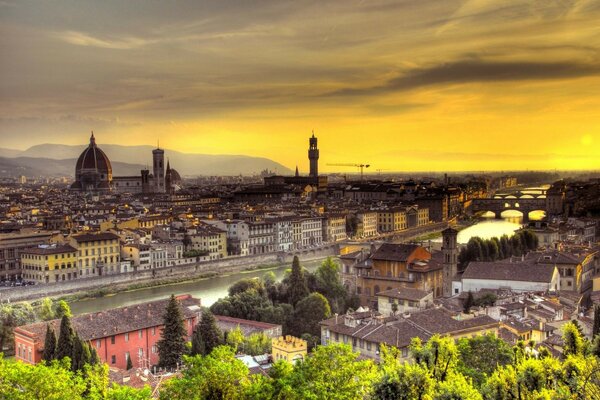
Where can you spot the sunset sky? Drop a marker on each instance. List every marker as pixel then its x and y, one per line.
pixel 401 85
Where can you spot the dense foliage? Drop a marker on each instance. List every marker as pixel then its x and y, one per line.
pixel 298 302
pixel 13 315
pixel 479 368
pixel 478 249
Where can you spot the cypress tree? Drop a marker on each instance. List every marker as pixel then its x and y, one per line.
pixel 171 345
pixel 129 364
pixel 49 344
pixel 64 347
pixel 596 329
pixel 210 336
pixel 298 289
pixel 94 359
pixel 469 302
pixel 198 346
pixel 77 354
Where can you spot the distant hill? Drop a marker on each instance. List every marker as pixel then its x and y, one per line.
pixel 32 166
pixel 184 163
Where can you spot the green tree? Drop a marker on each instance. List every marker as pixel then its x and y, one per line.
pixel 257 344
pixel 330 285
pixel 46 312
pixel 246 284
pixel 62 309
pixel 216 376
pixel 456 387
pixel 64 347
pixel 308 313
pixel 573 341
pixel 297 284
pixel 209 334
pixel 54 381
pixel 49 344
pixel 596 328
pixel 331 372
pixel 439 355
pixel 129 365
pixel 479 356
pixel 81 355
pixel 118 392
pixel 403 381
pixel 11 316
pixel 469 302
pixel 171 345
pixel 235 339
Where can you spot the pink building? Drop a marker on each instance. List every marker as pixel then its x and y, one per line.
pixel 116 334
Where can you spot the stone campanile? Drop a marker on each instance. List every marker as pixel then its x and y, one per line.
pixel 450 254
pixel 313 156
pixel 158 169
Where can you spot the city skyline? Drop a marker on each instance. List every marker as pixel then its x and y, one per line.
pixel 403 86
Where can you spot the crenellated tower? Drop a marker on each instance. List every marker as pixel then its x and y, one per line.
pixel 313 156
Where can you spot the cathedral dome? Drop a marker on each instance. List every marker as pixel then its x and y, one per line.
pixel 94 158
pixel 93 171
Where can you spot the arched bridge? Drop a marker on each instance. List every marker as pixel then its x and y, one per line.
pixel 498 205
pixel 528 193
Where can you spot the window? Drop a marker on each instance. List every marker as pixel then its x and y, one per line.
pixel 112 340
pixel 98 343
pixel 405 352
pixel 127 356
pixel 368 346
pixel 127 336
pixel 140 334
pixel 113 359
pixel 154 349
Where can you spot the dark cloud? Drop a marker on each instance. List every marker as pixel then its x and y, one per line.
pixel 476 71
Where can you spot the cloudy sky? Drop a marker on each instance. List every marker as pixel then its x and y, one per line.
pixel 402 85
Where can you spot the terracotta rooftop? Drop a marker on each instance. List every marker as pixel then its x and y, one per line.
pixel 117 320
pixel 93 237
pixel 404 294
pixel 506 271
pixel 394 252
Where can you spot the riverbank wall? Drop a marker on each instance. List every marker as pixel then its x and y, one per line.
pixel 160 276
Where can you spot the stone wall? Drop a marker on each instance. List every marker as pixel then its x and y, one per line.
pixel 185 271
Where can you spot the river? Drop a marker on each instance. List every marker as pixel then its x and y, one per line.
pixel 209 290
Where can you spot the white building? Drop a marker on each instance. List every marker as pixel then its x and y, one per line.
pixel 283 233
pixel 261 238
pixel 518 277
pixel 312 232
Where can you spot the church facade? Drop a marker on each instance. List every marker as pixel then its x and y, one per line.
pixel 93 174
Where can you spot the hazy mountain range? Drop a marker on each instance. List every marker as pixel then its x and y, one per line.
pixel 59 160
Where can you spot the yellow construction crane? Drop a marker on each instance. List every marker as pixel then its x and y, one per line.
pixel 361 166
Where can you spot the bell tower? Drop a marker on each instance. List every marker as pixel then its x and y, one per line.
pixel 450 254
pixel 313 156
pixel 158 169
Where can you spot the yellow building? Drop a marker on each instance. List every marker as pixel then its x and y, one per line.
pixel 288 348
pixel 392 220
pixel 49 263
pixel 211 240
pixel 97 254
